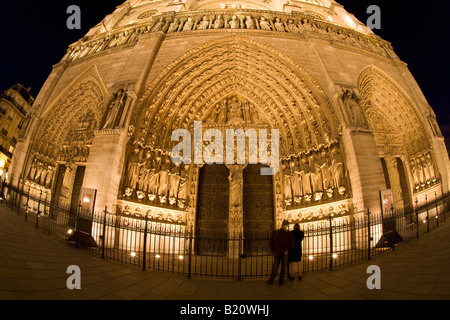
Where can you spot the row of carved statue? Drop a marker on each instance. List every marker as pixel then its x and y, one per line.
pixel 41 173
pixel 224 21
pixel 423 171
pixel 311 176
pixel 152 174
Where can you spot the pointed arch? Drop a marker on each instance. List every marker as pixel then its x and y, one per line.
pixel 82 101
pixel 284 94
pixel 381 95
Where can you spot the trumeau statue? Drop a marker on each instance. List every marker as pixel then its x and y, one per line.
pixel 115 108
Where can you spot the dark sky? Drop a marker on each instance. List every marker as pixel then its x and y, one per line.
pixel 34 37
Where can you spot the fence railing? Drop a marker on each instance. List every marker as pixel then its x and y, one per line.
pixel 152 245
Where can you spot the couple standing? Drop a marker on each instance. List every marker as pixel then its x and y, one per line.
pixel 286 246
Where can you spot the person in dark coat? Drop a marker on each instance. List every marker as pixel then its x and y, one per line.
pixel 280 243
pixel 295 255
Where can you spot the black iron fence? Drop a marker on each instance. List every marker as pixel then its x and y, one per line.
pixel 152 245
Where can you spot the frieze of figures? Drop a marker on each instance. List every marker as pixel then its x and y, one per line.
pixel 153 214
pixel 423 171
pixel 312 178
pixel 153 178
pixel 40 174
pixel 337 209
pixel 251 20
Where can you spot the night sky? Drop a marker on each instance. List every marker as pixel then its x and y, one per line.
pixel 34 37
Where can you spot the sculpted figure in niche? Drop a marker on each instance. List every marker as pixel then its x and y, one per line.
pixel 33 169
pixel 164 180
pixel 159 25
pixel 236 183
pixel 133 169
pixel 234 23
pixel 174 25
pixel 296 180
pixel 146 172
pixel 49 179
pixel 287 187
pixel 337 166
pixel 188 25
pixel 316 176
pixel 279 25
pixel 114 109
pixel 223 112
pixel 38 172
pixel 235 109
pixel 292 27
pixel 326 173
pixel 354 111
pixel 264 24
pixel 426 170
pixel 249 24
pixel 430 164
pixel 204 23
pixel 183 186
pixel 415 174
pixel 174 183
pixel 153 176
pixel 305 175
pixel 218 23
pixel 421 172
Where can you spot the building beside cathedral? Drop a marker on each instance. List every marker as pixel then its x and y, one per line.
pixel 352 120
pixel 15 105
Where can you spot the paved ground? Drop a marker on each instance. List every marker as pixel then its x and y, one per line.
pixel 33 266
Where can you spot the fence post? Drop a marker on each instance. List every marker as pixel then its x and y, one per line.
pixel 239 278
pixel 144 256
pixel 190 254
pixel 38 209
pixel 437 213
pixel 417 219
pixel 428 217
pixel 331 242
pixel 28 199
pixel 104 233
pixel 369 238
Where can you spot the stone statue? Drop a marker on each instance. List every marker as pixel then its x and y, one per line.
pixel 188 25
pixel 114 109
pixel 287 187
pixel 223 112
pixel 305 174
pixel 133 169
pixel 234 23
pixel 183 186
pixel 296 180
pixel 203 24
pixel 153 177
pixel 159 25
pixel 174 183
pixel 249 23
pixel 236 184
pixel 146 173
pixel 218 23
pixel 356 118
pixel 421 172
pixel 264 24
pixel 415 174
pixel 279 25
pixel 316 177
pixel 164 180
pixel 292 27
pixel 337 168
pixel 174 26
pixel 431 167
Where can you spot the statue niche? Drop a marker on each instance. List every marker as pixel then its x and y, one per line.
pixel 115 109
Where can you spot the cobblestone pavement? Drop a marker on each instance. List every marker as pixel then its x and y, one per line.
pixel 33 266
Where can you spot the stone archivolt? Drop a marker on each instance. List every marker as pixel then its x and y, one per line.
pixel 190 87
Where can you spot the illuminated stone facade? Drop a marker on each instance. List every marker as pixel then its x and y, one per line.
pixel 351 118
